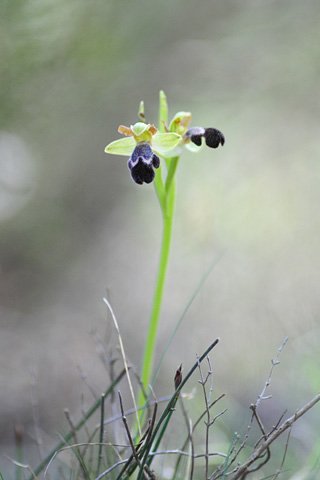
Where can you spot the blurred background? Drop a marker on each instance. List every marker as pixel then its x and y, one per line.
pixel 74 226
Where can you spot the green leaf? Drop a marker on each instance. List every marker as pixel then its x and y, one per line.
pixel 163 142
pixel 124 146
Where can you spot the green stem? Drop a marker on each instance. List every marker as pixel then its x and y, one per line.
pixel 166 195
pixel 167 214
pixel 160 189
pixel 171 173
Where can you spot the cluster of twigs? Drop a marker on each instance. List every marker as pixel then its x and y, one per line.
pixel 130 451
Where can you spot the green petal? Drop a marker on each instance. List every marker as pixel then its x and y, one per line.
pixel 124 146
pixel 192 147
pixel 163 111
pixel 180 122
pixel 138 128
pixel 175 152
pixel 163 142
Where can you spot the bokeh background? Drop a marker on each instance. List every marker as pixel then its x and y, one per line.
pixel 74 226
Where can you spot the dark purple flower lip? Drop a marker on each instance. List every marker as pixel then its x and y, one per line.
pixel 212 136
pixel 142 163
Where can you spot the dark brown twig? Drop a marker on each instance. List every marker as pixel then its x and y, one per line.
pixel 147 473
pixel 75 438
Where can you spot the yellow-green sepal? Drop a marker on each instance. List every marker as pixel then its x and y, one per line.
pixel 141 112
pixel 164 142
pixel 124 146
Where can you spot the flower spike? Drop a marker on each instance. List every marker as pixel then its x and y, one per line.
pixel 143 143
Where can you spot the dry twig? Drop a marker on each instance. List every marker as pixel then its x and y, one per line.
pixel 273 436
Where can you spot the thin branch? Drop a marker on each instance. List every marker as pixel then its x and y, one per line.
pixel 152 424
pixel 133 448
pixel 260 397
pixel 71 424
pixel 190 438
pixel 217 416
pixel 210 374
pixel 124 362
pixel 274 362
pixel 194 427
pixel 284 455
pixel 271 438
pixel 259 422
pixel 264 436
pixel 22 465
pixel 84 444
pixel 141 442
pixel 203 382
pixel 115 465
pixel 153 454
pixel 187 454
pixel 165 417
pixel 78 451
pixel 278 422
pixel 224 466
pixel 68 436
pixel 101 435
pixel 191 463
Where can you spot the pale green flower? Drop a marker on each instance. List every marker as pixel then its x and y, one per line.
pixel 144 145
